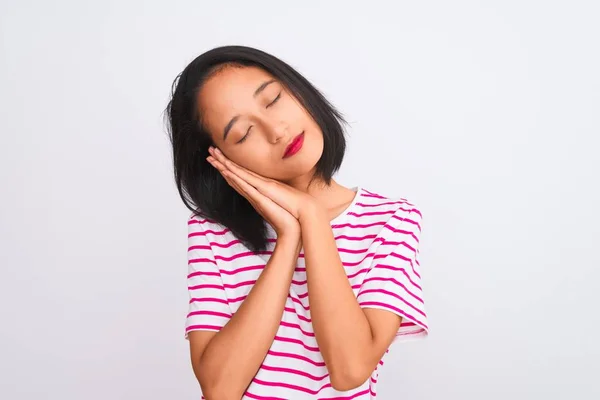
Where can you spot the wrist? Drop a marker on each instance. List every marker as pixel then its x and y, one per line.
pixel 289 240
pixel 310 210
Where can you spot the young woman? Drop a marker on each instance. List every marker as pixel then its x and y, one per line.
pixel 298 285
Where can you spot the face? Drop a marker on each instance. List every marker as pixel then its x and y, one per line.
pixel 257 123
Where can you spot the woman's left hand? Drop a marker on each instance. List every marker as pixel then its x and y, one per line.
pixel 293 200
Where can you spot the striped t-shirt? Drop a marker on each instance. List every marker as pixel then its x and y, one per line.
pixel 378 241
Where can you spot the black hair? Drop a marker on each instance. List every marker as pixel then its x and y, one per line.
pixel 201 187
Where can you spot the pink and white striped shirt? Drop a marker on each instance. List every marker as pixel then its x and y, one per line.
pixel 378 243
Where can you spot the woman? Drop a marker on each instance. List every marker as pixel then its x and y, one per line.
pixel 297 285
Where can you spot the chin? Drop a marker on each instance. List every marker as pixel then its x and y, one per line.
pixel 304 166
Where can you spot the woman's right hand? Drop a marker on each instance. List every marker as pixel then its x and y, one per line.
pixel 284 223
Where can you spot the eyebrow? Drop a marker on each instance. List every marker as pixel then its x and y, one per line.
pixel 234 119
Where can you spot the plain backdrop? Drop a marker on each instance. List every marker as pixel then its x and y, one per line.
pixel 484 113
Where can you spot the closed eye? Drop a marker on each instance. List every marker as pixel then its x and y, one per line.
pixel 245 136
pixel 275 100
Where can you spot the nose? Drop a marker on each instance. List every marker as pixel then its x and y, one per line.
pixel 276 132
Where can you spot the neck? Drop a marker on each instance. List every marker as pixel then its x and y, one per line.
pixel 333 197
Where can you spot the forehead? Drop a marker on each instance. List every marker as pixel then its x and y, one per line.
pixel 230 88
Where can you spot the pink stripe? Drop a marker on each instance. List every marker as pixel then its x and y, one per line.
pixel 388 203
pixel 203 233
pixel 297 357
pixel 294 372
pixel 385 266
pixel 402 231
pixel 296 326
pixel 394 281
pixel 299 282
pixel 201 260
pixel 201 221
pixel 225 245
pixel 355 238
pixel 243 269
pixel 410 221
pixel 198 273
pixel 296 341
pixel 298 301
pixel 400 256
pixel 236 299
pixel 350 251
pixel 393 295
pixel 349 225
pixel 213 313
pixel 208 300
pixel 288 386
pixel 300 316
pixel 417 332
pixel 198 287
pixel 390 243
pixel 358 273
pixel 399 311
pixel 257 397
pixel 362 393
pixel 203 327
pixel 371 213
pixel 228 286
pixel 371 194
pixel 199 247
pixel 244 254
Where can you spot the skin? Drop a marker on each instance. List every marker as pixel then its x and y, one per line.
pixel 351 339
pixel 230 92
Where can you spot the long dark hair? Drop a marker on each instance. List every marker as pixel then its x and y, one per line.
pixel 201 187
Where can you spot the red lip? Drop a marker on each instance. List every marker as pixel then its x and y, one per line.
pixel 295 146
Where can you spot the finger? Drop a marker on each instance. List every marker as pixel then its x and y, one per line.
pixel 247 186
pixel 257 203
pixel 253 193
pixel 223 171
pixel 216 163
pixel 251 177
pixel 235 184
pixel 231 180
pixel 226 163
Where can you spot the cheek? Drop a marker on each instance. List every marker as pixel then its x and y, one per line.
pixel 251 160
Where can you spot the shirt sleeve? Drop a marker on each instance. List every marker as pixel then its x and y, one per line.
pixel 208 306
pixel 393 282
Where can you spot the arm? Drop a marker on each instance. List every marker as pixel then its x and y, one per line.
pixel 225 363
pixel 352 335
pixel 352 340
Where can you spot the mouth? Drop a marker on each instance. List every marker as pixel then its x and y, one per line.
pixel 294 146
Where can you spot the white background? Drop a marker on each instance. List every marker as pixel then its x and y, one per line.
pixel 484 113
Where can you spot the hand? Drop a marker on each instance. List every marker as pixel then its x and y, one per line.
pixel 284 223
pixel 293 200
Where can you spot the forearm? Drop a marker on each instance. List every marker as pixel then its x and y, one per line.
pixel 234 355
pixel 341 328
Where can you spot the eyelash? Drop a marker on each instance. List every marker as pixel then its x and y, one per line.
pixel 274 101
pixel 268 105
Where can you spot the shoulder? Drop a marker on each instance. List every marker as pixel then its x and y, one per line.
pixel 206 229
pixel 206 233
pixel 400 206
pixel 399 212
